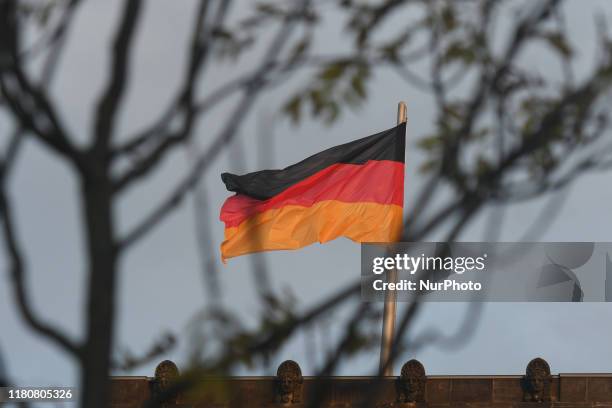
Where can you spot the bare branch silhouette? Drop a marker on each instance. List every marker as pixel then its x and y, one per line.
pixel 17 268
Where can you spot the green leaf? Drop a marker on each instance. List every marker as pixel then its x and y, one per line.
pixel 480 134
pixel 299 49
pixel 449 20
pixel 559 42
pixel 482 166
pixel 429 143
pixel 270 9
pixel 332 112
pixel 333 71
pixel 221 33
pixel 459 52
pixel 317 99
pixel 428 166
pixel 350 97
pixel 358 86
pixel 293 108
pixel 391 50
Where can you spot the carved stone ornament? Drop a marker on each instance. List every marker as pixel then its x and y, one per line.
pixel 411 383
pixel 166 373
pixel 536 383
pixel 289 383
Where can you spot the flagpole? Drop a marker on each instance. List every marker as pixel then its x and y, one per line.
pixel 388 328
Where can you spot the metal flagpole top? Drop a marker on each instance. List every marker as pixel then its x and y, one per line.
pixel 402 112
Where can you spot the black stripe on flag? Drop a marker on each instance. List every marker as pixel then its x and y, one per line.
pixel 387 145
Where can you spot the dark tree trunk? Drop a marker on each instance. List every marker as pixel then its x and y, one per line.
pixel 102 257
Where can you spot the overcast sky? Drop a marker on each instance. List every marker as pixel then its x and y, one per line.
pixel 161 285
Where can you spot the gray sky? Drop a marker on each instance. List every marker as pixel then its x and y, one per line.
pixel 161 286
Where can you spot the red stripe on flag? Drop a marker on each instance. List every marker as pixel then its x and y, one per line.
pixel 376 181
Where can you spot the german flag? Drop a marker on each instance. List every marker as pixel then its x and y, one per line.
pixel 355 190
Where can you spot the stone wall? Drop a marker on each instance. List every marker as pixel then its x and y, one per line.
pixel 537 388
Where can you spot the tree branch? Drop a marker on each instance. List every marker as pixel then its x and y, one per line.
pixel 17 268
pixel 224 137
pixel 184 103
pixel 109 102
pixel 57 42
pixel 29 104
